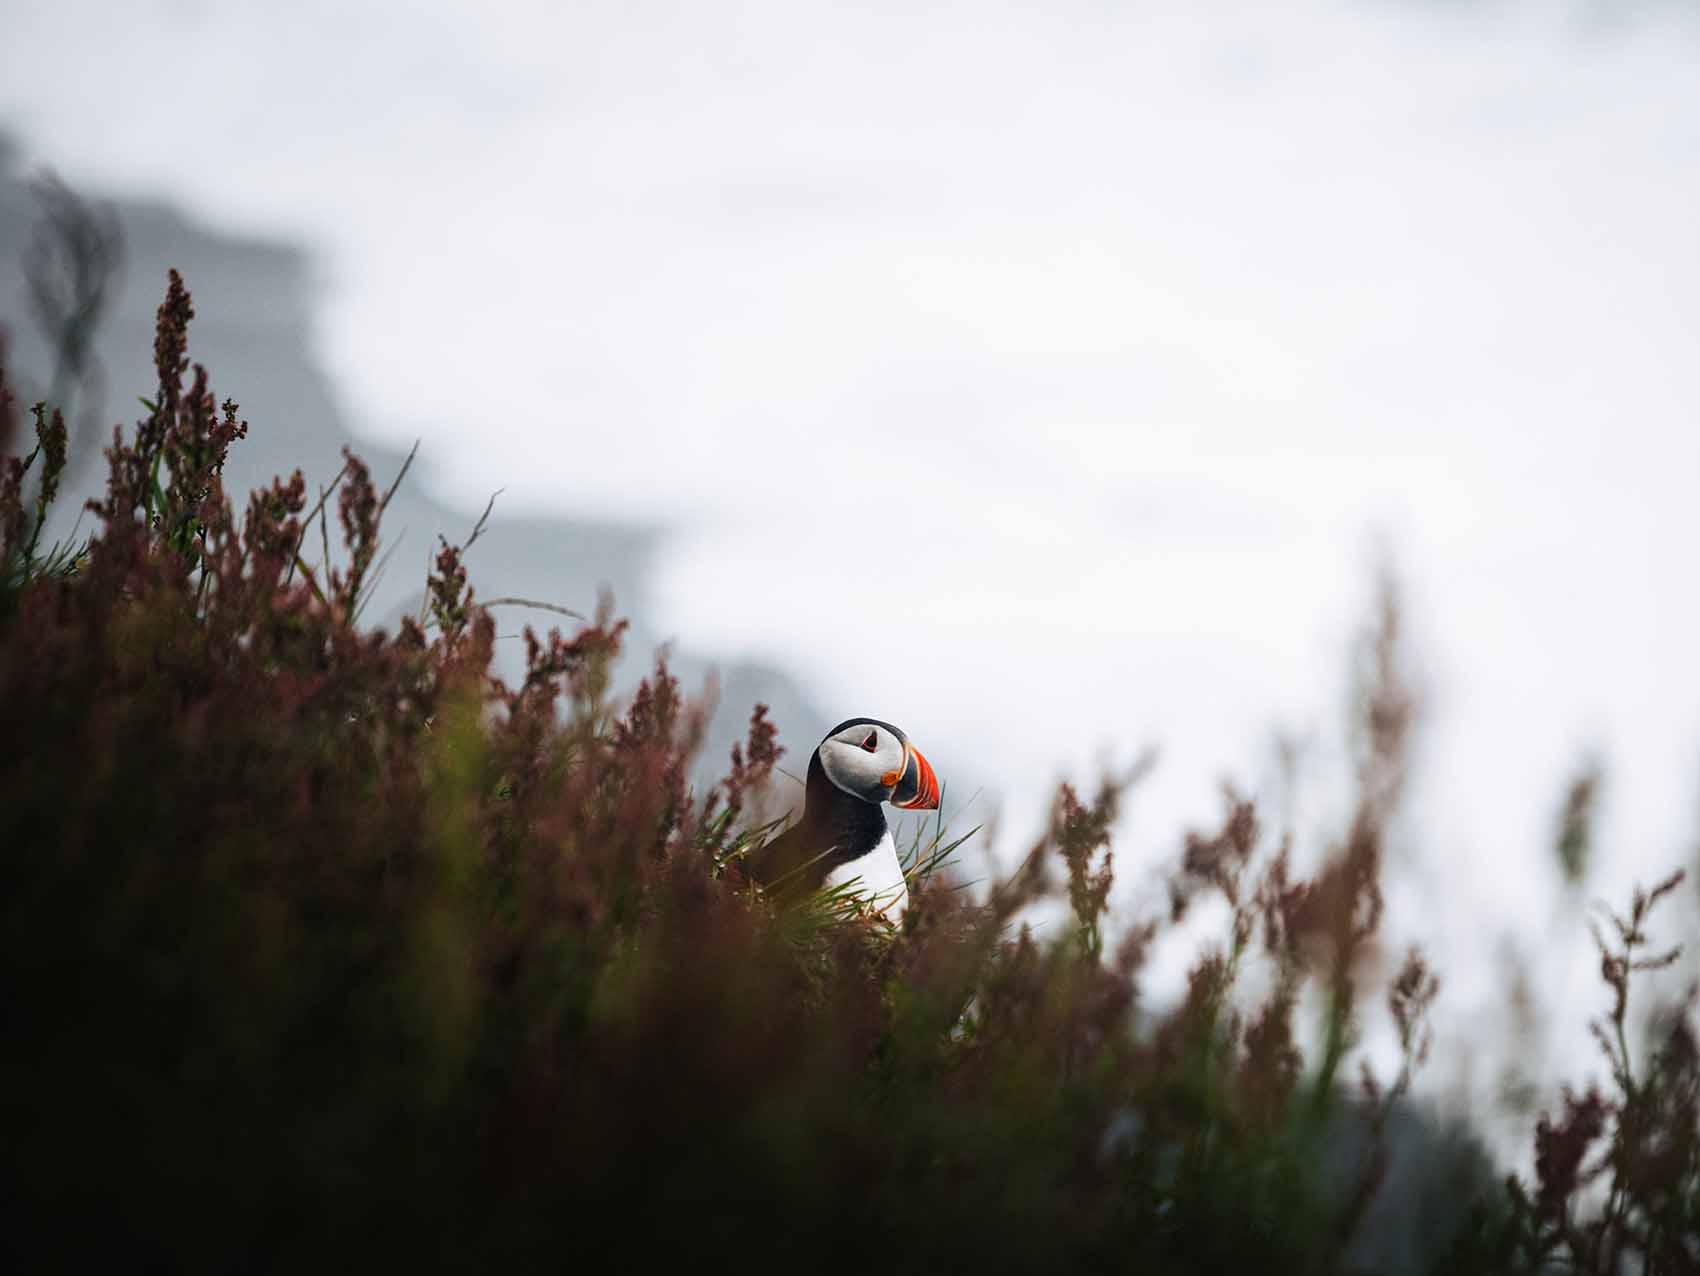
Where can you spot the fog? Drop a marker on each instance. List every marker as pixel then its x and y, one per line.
pixel 1050 381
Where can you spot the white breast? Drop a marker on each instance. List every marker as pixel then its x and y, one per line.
pixel 878 874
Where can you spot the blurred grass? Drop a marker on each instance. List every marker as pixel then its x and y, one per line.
pixel 324 946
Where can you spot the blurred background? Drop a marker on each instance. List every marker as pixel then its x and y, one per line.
pixel 1053 381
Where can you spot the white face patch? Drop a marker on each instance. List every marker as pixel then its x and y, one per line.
pixel 860 757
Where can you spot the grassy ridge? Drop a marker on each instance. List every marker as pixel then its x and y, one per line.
pixel 324 944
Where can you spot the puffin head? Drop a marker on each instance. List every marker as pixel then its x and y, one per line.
pixel 874 761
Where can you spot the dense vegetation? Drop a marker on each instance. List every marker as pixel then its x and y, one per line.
pixel 322 944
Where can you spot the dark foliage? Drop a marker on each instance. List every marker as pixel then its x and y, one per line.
pixel 322 945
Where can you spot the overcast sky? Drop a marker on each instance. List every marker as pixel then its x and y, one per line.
pixel 1045 378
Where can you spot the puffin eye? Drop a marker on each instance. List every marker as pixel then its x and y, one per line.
pixel 872 742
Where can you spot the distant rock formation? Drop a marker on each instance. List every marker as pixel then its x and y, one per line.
pixel 253 308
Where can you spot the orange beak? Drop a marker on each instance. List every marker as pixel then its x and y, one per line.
pixel 918 788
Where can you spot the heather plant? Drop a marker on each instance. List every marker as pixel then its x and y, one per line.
pixel 323 944
pixel 28 486
pixel 1617 1171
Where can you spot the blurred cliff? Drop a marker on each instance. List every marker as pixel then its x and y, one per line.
pixel 253 327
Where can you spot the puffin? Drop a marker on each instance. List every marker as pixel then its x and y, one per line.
pixel 842 837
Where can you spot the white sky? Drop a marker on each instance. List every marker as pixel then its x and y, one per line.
pixel 1043 378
